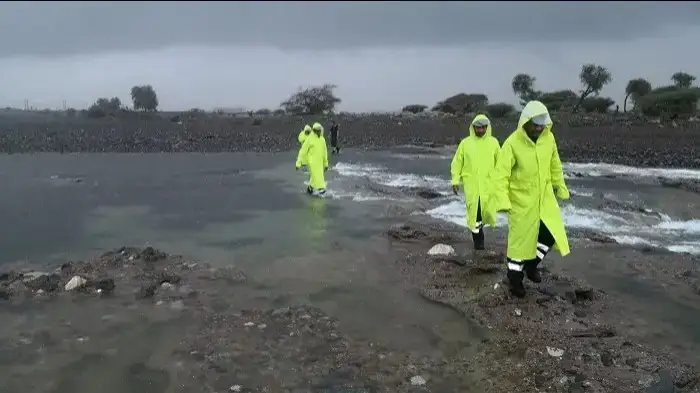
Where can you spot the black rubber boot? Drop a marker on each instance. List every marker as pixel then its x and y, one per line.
pixel 531 271
pixel 515 279
pixel 309 190
pixel 478 239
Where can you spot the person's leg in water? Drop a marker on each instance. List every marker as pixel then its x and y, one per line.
pixel 518 269
pixel 478 230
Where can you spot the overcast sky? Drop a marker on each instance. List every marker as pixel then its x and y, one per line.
pixel 382 55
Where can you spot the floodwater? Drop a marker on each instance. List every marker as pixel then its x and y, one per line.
pixel 249 210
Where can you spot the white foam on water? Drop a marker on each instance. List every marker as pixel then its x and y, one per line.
pixel 380 175
pixel 685 247
pixel 633 240
pixel 691 227
pixel 455 212
pixel 601 169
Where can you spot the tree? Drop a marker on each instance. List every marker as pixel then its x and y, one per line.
pixel 499 110
pixel 105 107
pixel 524 88
pixel 463 103
pixel 556 100
pixel 263 112
pixel 312 101
pixel 144 98
pixel 682 79
pixel 597 104
pixel 670 100
pixel 636 89
pixel 278 112
pixel 414 108
pixel 593 78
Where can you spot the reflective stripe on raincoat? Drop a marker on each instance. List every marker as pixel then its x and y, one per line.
pixel 525 180
pixel 315 154
pixel 471 165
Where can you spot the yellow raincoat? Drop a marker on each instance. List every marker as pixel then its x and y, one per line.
pixel 314 153
pixel 471 165
pixel 525 180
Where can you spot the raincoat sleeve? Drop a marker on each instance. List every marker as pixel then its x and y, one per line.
pixel 500 179
pixel 303 152
pixel 457 165
pixel 557 174
pixel 301 136
pixel 325 153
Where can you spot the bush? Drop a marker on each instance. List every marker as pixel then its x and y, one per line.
pixel 556 100
pixel 670 100
pixel 499 110
pixel 597 104
pixel 414 108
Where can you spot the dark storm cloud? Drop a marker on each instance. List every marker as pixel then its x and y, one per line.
pixel 62 28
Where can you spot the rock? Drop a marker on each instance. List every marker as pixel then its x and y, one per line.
pixel 606 358
pixel 418 380
pixel 74 283
pixel 147 290
pixel 405 232
pixel 556 352
pixel 149 254
pixel 166 285
pixel 235 388
pixel 42 281
pixel 441 249
pixel 104 285
pixel 427 193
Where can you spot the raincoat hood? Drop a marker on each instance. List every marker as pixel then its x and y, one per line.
pixel 480 118
pixel 307 128
pixel 318 127
pixel 535 109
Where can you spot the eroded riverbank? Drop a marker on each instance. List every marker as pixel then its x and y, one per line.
pixel 144 321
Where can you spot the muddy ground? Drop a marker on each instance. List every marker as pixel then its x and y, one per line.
pixel 566 335
pixel 606 139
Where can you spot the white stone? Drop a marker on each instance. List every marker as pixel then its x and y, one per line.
pixel 75 282
pixel 441 249
pixel 518 312
pixel 556 352
pixel 235 388
pixel 249 324
pixel 418 380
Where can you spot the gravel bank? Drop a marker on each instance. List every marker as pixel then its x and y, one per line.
pixel 598 140
pixel 566 335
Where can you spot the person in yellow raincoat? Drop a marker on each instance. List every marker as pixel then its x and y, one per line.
pixel 301 138
pixel 527 181
pixel 471 165
pixel 315 153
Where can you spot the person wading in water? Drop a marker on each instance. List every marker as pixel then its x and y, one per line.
pixel 527 181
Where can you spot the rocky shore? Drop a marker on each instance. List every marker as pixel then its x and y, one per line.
pixel 586 139
pixel 565 336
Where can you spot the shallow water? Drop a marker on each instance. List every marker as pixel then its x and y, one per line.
pixel 249 210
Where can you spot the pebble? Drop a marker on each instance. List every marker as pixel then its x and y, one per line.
pixel 518 312
pixel 418 380
pixel 441 249
pixel 75 282
pixel 249 324
pixel 235 388
pixel 556 352
pixel 262 326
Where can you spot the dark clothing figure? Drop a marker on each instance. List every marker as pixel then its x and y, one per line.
pixel 335 146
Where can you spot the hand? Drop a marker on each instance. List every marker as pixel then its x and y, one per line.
pixel 455 190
